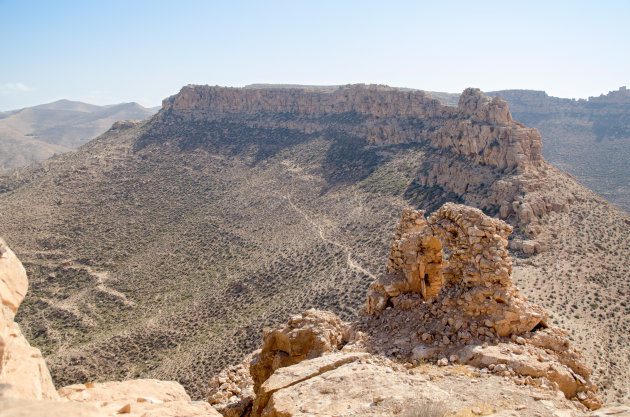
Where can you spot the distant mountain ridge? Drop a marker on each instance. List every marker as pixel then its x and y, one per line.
pixel 35 133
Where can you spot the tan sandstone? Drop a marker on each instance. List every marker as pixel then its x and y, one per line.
pixel 22 367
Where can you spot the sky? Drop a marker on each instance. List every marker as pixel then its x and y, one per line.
pixel 106 52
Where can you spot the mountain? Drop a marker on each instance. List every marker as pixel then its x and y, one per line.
pixel 36 133
pixel 590 139
pixel 163 247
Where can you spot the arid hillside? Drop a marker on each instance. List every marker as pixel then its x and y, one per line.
pixel 35 133
pixel 163 247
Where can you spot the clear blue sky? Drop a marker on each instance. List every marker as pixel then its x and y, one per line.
pixel 112 51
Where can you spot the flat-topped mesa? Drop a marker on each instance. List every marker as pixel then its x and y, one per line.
pixel 479 128
pixel 473 283
pixel 374 100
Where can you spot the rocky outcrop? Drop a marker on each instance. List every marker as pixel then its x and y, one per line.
pixel 485 133
pixel 245 388
pixel 305 336
pixel 350 384
pixel 140 397
pixel 231 391
pixel 22 368
pixel 137 398
pixel 476 304
pixel 621 96
pixel 473 284
pixel 445 305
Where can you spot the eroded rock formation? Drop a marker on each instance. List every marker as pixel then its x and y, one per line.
pixel 476 305
pixel 446 299
pixel 473 283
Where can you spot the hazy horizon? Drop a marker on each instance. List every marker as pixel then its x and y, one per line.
pixel 107 53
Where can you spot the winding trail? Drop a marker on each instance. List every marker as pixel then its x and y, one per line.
pixel 351 262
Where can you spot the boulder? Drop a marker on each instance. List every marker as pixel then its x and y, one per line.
pixel 305 336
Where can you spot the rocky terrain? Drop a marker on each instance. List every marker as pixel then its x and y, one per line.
pixel 35 133
pixel 26 388
pixel 162 248
pixel 590 139
pixel 587 138
pixel 511 364
pixel 467 327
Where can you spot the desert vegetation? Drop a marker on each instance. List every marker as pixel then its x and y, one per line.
pixel 162 249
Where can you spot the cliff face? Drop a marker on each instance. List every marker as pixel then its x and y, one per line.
pixel 23 372
pixel 474 144
pixel 479 127
pixel 587 138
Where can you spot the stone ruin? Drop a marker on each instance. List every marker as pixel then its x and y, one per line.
pixel 446 298
pixel 457 258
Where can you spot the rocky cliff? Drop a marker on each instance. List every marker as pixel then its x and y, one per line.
pixel 479 128
pixel 476 143
pixel 587 138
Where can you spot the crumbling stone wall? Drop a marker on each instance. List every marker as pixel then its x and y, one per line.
pixel 458 259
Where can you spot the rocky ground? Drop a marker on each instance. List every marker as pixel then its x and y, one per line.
pixel 317 364
pixel 388 362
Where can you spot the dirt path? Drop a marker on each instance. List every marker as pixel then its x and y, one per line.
pixel 351 262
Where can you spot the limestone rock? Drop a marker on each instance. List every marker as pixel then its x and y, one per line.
pixel 13 281
pixel 231 392
pixel 162 391
pixel 140 397
pixel 477 271
pixel 20 407
pixel 372 386
pixel 292 375
pixel 308 335
pixel 21 365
